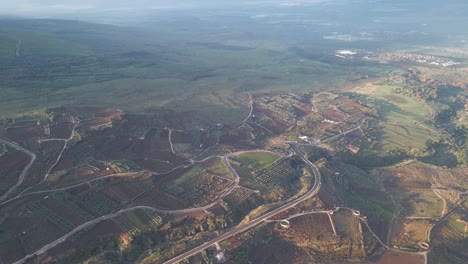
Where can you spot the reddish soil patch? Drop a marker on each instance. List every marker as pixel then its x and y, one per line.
pixel 400 258
pixel 103 228
pixel 217 210
pixel 302 111
pixel 328 199
pixel 64 164
pixel 153 165
pixel 353 104
pixel 333 115
pixel 358 83
pixel 194 215
pixel 312 227
pixel 278 251
pixel 93 111
pixel 108 113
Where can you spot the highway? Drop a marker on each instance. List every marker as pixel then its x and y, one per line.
pixel 312 192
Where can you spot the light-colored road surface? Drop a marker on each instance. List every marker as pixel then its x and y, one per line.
pixel 21 195
pixel 364 220
pixel 313 191
pixel 105 217
pixel 25 170
pixel 251 102
pixel 65 140
pixel 232 232
pixel 18 48
pixel 345 132
pixel 72 134
pixel 227 132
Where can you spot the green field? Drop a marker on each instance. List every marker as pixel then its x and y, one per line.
pixel 255 160
pixel 114 66
pixel 393 107
pixel 404 137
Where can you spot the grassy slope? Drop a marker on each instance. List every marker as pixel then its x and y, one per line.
pixel 65 63
pixel 256 160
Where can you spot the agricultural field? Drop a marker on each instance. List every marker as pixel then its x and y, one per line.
pixel 202 127
pixel 276 181
pixel 215 166
pixel 403 258
pixel 319 116
pixel 348 226
pixel 255 160
pixel 12 163
pixel 197 186
pixel 412 233
pixel 191 143
pixel 404 137
pixel 416 188
pixel 161 199
pixel 282 175
pixel 391 105
pixel 310 238
pixel 312 228
pixel 357 176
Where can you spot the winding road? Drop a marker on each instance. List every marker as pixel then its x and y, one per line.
pixel 105 217
pixel 312 192
pixel 18 48
pixel 235 183
pixel 25 170
pixel 65 140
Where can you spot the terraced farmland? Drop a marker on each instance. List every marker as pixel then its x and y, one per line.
pixel 281 175
pixel 313 227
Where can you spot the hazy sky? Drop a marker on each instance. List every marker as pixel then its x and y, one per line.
pixel 41 7
pixel 57 6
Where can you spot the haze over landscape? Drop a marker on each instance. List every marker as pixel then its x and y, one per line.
pixel 207 131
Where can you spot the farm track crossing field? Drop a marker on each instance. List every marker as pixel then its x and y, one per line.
pixel 201 189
